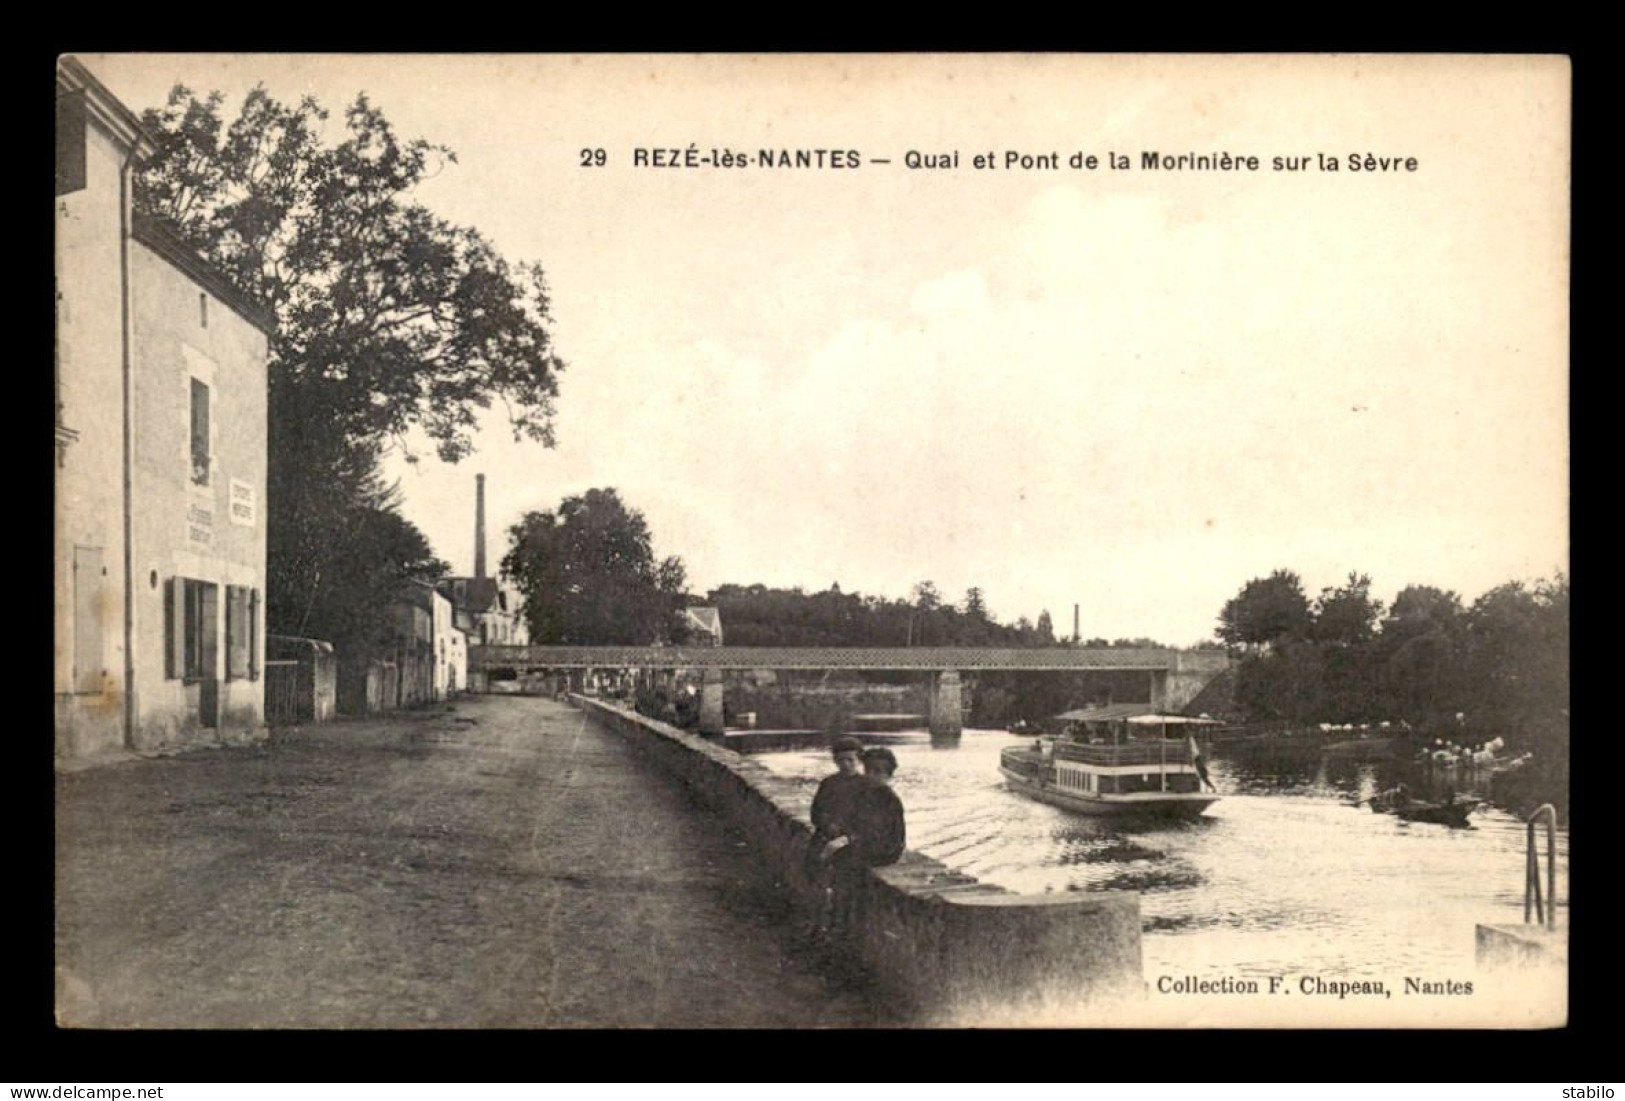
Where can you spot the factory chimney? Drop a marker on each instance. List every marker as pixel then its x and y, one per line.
pixel 479 525
pixel 1075 634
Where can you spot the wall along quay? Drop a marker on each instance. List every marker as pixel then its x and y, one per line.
pixel 943 941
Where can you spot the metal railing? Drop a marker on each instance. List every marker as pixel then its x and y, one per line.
pixel 1023 761
pixel 1132 753
pixel 926 658
pixel 1547 914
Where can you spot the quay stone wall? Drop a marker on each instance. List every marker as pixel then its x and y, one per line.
pixel 949 944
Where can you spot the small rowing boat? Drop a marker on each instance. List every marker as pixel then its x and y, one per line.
pixel 1451 812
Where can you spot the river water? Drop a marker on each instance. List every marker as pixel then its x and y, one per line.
pixel 1280 875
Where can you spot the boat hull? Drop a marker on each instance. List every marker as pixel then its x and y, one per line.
pixel 1443 814
pixel 1454 816
pixel 1142 803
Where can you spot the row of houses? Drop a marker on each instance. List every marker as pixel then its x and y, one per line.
pixel 435 624
pixel 160 380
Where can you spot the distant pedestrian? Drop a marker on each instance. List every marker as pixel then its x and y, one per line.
pixel 1196 759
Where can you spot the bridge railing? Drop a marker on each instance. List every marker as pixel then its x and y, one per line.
pixel 836 657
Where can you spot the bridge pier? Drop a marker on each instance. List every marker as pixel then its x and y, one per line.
pixel 711 719
pixel 1176 687
pixel 947 713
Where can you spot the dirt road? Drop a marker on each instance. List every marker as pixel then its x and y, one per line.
pixel 497 862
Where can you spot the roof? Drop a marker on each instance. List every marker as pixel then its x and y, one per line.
pixel 709 619
pixel 420 593
pixel 72 76
pixel 1141 714
pixel 163 240
pixel 479 594
pixel 1117 711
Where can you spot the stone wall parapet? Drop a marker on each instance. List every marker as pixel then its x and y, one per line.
pixel 960 950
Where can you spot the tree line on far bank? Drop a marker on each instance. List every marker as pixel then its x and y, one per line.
pixel 1496 666
pixel 590 576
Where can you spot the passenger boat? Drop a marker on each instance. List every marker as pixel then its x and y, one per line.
pixel 1123 759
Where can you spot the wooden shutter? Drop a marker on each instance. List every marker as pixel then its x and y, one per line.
pixel 253 634
pixel 174 628
pixel 234 628
pixel 236 632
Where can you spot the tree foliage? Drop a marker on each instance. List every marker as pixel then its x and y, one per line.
pixel 340 590
pixel 1268 610
pixel 757 615
pixel 1503 662
pixel 1346 615
pixel 927 598
pixel 589 575
pixel 388 316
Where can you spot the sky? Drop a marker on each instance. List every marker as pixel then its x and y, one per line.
pixel 1130 390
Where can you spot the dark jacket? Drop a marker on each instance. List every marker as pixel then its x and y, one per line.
pixel 876 827
pixel 832 806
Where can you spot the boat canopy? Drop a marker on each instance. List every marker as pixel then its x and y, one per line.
pixel 1111 712
pixel 1139 714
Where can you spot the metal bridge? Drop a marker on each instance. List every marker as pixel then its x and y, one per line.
pixel 922 658
pixel 1175 677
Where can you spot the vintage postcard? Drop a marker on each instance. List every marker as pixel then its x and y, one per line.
pixel 810 541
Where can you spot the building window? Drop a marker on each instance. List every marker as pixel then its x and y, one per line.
pixel 203 311
pixel 200 433
pixel 242 632
pixel 191 629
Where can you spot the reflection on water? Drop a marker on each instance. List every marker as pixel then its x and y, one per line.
pixel 1282 874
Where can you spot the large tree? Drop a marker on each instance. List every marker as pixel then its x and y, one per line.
pixel 1421 655
pixel 1517 653
pixel 1346 615
pixel 1267 611
pixel 590 577
pixel 388 317
pixel 391 316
